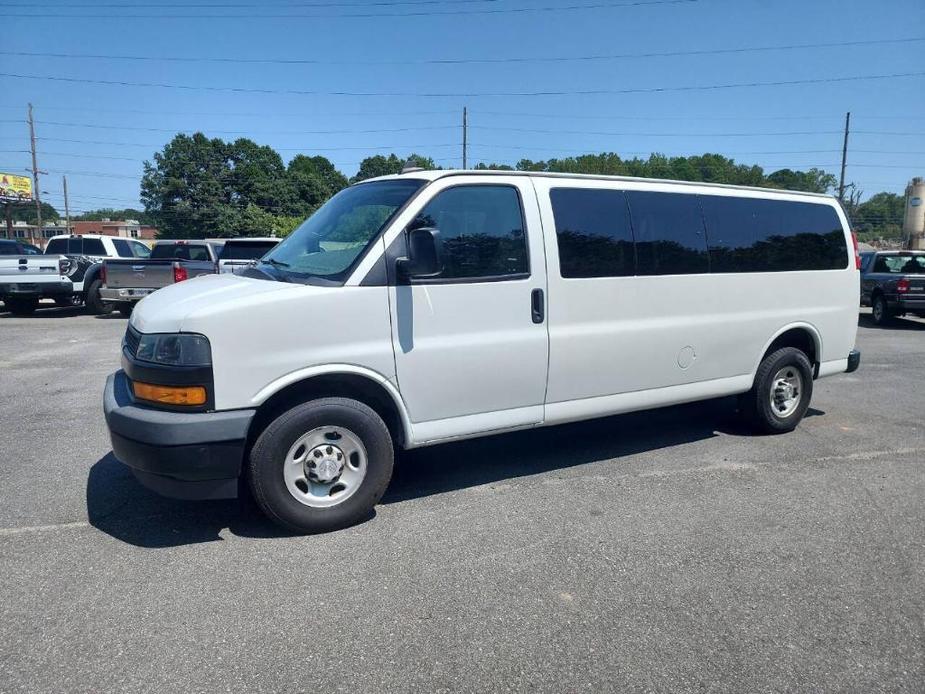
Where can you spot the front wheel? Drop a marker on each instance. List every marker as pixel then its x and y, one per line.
pixel 781 393
pixel 322 465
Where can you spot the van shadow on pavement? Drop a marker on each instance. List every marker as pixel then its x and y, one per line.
pixel 119 506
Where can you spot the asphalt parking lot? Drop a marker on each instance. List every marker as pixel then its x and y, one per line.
pixel 658 551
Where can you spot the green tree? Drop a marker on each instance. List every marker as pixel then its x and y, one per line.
pixel 321 169
pixel 110 213
pixel 26 213
pixel 380 165
pixel 880 216
pixel 199 187
pixel 812 181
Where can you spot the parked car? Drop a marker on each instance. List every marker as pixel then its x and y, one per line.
pixel 86 252
pixel 27 278
pixel 893 284
pixel 238 254
pixel 128 281
pixel 427 307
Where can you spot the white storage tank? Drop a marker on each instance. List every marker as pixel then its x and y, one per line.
pixel 914 219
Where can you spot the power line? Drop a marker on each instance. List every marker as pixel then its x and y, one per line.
pixel 379 3
pixel 244 132
pixel 582 92
pixel 464 61
pixel 618 134
pixel 366 15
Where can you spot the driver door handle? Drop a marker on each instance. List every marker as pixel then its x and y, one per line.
pixel 537 308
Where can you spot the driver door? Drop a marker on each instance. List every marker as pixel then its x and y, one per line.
pixel 471 346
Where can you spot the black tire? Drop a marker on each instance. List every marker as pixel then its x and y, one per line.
pixel 64 301
pixel 265 467
pixel 880 310
pixel 93 302
pixel 21 307
pixel 126 309
pixel 756 403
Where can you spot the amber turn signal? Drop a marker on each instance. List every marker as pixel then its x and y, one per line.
pixel 169 395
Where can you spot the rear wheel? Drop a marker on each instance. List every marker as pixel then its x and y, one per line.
pixel 126 309
pixel 880 311
pixel 322 465
pixel 21 307
pixel 781 393
pixel 92 300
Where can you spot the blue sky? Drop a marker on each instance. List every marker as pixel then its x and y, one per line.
pixel 775 126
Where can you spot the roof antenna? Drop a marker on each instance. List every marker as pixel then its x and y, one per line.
pixel 411 166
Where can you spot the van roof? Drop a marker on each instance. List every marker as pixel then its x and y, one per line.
pixel 433 175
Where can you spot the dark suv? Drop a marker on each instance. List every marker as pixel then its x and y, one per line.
pixel 893 283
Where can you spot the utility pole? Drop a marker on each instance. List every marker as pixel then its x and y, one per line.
pixel 465 135
pixel 844 159
pixel 67 210
pixel 35 175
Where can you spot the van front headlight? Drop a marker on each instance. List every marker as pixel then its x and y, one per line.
pixel 181 349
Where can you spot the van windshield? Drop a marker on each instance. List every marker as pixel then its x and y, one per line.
pixel 327 244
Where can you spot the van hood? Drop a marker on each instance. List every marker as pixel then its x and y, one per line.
pixel 170 309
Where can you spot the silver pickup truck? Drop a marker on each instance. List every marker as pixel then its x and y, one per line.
pixel 26 279
pixel 125 282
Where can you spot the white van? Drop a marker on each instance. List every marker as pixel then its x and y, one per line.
pixel 432 306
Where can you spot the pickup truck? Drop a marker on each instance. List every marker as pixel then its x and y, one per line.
pixel 25 279
pixel 86 253
pixel 126 282
pixel 893 284
pixel 238 254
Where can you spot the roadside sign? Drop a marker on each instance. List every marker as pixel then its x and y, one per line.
pixel 15 188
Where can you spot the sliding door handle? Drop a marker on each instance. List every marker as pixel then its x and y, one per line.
pixel 537 308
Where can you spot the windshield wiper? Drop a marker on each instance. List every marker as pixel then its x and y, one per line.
pixel 275 263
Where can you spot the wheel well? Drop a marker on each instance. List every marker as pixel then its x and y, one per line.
pixel 801 339
pixel 360 388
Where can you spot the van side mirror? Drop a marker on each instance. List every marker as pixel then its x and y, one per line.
pixel 425 257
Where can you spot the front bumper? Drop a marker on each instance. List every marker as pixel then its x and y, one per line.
pixel 28 290
pixel 107 294
pixel 195 455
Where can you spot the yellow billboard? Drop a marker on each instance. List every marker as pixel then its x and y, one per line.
pixel 15 188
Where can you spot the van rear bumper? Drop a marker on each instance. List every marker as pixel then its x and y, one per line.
pixel 196 455
pixel 854 361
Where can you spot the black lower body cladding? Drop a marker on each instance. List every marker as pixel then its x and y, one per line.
pixel 195 455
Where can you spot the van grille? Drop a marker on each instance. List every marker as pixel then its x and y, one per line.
pixel 131 340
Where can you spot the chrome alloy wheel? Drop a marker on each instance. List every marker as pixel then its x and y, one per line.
pixel 325 467
pixel 786 391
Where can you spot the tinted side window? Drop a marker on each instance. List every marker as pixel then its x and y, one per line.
pixel 481 230
pixel 164 250
pixel 56 247
pixel 754 235
pixel 593 232
pixel 669 233
pixel 122 248
pixel 9 248
pixel 94 247
pixel 139 250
